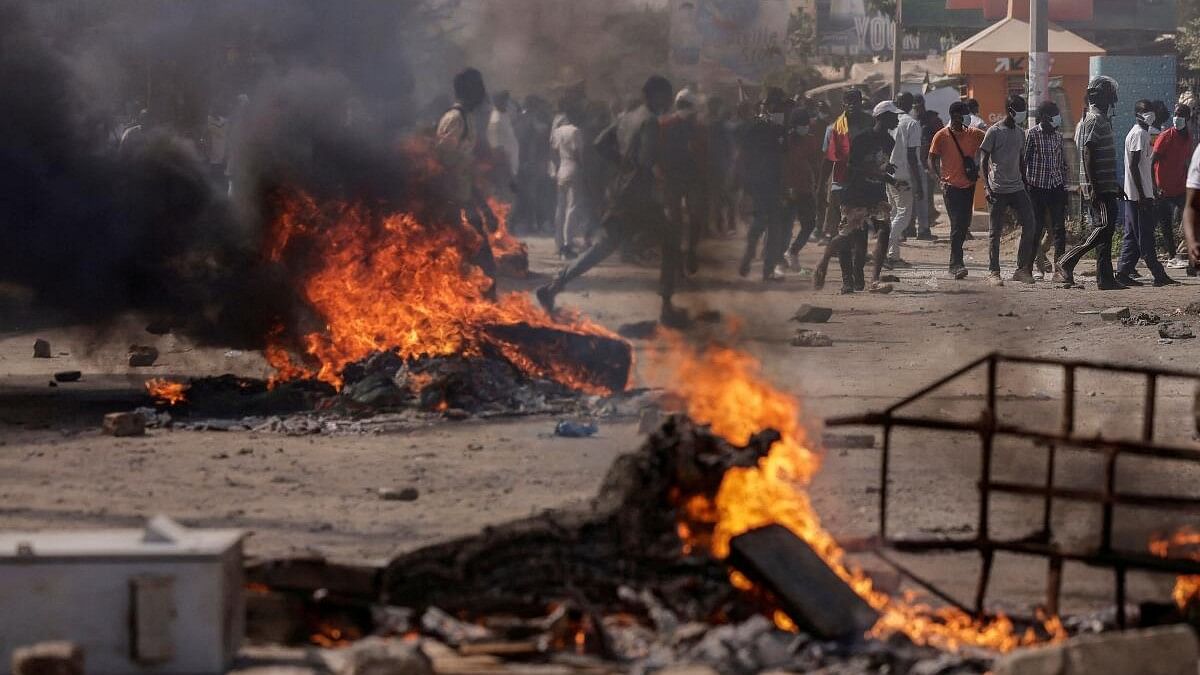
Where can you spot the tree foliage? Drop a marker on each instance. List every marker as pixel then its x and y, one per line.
pixel 1187 43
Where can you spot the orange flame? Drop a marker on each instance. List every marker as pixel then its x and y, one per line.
pixel 724 388
pixel 167 391
pixel 502 241
pixel 1187 587
pixel 391 281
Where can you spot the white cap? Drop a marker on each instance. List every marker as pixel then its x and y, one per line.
pixel 885 107
pixel 685 96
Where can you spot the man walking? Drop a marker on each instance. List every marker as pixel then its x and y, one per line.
pixel 864 200
pixel 1098 186
pixel 763 150
pixel 849 124
pixel 1046 178
pixel 908 188
pixel 1140 214
pixel 1003 153
pixel 952 155
pixel 800 178
pixel 569 217
pixel 1172 151
pixel 633 206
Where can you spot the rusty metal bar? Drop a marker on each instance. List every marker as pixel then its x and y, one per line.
pixel 1094 365
pixel 1120 579
pixel 1106 518
pixel 920 393
pixel 1148 408
pixel 985 576
pixel 1053 585
pixel 883 479
pixel 1094 444
pixel 1164 502
pixel 1130 560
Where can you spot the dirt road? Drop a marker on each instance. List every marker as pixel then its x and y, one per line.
pixel 319 493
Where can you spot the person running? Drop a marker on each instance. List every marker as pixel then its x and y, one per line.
pixel 1046 180
pixel 1003 153
pixel 1172 151
pixel 1138 239
pixel 952 156
pixel 864 200
pixel 1098 186
pixel 633 207
pixel 908 188
pixel 800 179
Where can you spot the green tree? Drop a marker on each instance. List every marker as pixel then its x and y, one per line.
pixel 1187 43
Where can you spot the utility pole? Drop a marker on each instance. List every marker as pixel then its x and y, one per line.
pixel 897 44
pixel 1039 53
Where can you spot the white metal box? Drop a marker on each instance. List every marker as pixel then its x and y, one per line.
pixel 163 599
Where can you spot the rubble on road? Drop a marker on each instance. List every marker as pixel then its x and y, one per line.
pixel 41 349
pixel 48 658
pixel 67 376
pixel 408 494
pixel 1114 313
pixel 811 314
pixel 142 356
pixel 1175 330
pixel 811 338
pixel 1142 319
pixel 569 429
pixel 124 424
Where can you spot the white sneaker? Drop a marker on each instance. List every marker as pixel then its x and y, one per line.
pixel 793 260
pixel 781 270
pixel 994 279
pixel 1177 263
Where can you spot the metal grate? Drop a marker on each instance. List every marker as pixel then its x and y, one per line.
pixel 1041 542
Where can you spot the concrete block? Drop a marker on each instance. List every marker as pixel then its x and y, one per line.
pixel 1114 313
pixel 1165 650
pixel 48 658
pixel 124 424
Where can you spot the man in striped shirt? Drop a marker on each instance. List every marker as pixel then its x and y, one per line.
pixel 1046 176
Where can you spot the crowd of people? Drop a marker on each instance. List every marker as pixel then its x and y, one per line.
pixel 673 168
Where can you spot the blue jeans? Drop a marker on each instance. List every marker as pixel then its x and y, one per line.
pixel 1138 240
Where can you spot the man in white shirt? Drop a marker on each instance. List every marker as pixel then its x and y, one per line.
pixel 566 140
pixel 975 121
pixel 1138 241
pixel 1191 209
pixel 908 187
pixel 501 137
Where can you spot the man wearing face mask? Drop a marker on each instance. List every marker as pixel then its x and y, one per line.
pixel 1098 186
pixel 1046 178
pixel 952 157
pixel 1138 240
pixel 853 121
pixel 1172 151
pixel 869 170
pixel 1003 153
pixel 908 189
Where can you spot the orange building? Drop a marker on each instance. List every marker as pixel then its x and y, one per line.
pixel 993 64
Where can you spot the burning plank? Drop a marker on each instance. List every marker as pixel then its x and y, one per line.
pixel 809 592
pixel 587 361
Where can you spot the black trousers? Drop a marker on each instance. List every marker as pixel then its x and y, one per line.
pixel 960 205
pixel 1050 211
pixel 804 209
pixel 1170 216
pixel 1104 214
pixel 772 217
pixel 619 225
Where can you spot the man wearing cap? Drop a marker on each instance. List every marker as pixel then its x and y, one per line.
pixel 864 199
pixel 1003 153
pixel 952 156
pixel 1098 185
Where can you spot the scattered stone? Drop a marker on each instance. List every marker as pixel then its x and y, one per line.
pixel 380 656
pixel 1164 341
pixel 48 658
pixel 1142 319
pixel 1175 330
pixel 408 494
pixel 1165 650
pixel 124 424
pixel 41 349
pixel 569 429
pixel 889 279
pixel 455 414
pixel 811 338
pixel 142 356
pixel 810 314
pixel 1114 313
pixel 1193 308
pixel 68 376
pixel 451 630
pixel 650 419
pixel 1008 314
pixel 158 327
pixel 53 383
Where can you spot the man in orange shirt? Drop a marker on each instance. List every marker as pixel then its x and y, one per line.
pixel 952 154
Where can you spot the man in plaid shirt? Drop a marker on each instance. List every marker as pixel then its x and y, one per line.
pixel 1046 178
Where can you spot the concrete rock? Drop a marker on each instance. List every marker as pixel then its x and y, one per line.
pixel 1175 330
pixel 377 656
pixel 124 424
pixel 68 376
pixel 48 658
pixel 142 356
pixel 1166 650
pixel 1114 313
pixel 810 314
pixel 408 494
pixel 811 338
pixel 41 349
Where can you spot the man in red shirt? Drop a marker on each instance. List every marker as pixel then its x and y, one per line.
pixel 1172 152
pixel 800 180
